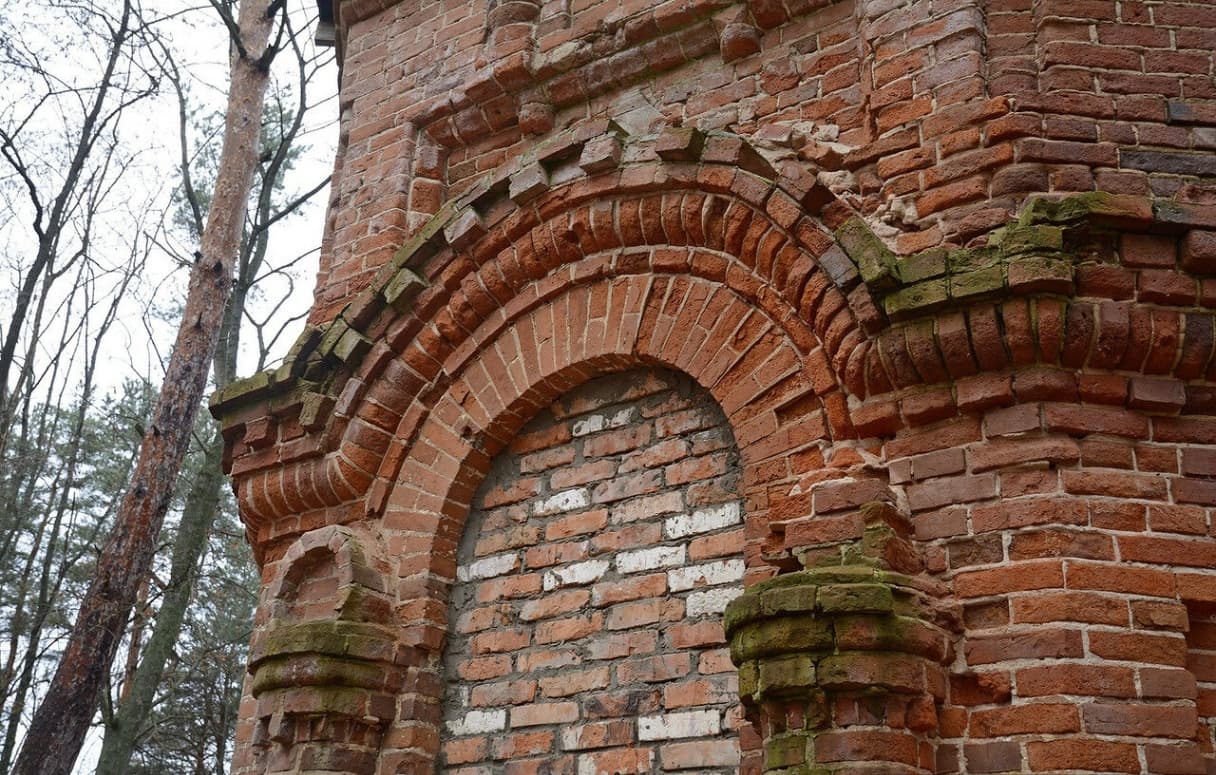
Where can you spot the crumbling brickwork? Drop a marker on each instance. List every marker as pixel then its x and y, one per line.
pixel 943 275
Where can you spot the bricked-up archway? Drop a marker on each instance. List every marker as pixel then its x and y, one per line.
pixel 706 331
pixel 587 618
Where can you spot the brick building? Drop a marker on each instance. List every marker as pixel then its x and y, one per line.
pixel 785 386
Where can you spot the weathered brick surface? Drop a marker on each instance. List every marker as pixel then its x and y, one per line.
pixel 616 650
pixel 846 221
pixel 937 119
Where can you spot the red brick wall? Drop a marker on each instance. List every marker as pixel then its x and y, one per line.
pixel 586 622
pixel 976 483
pixel 1062 527
pixel 935 120
pixel 1029 472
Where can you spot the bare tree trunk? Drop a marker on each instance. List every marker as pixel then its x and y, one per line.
pixel 137 638
pixel 202 503
pixel 58 728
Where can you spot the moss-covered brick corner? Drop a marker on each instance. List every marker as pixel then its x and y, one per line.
pixel 1031 255
pixel 346 639
pixel 792 620
pixel 811 642
pixel 874 598
pixel 317 670
pixel 320 353
pixel 332 669
pixel 875 261
pixel 782 635
pixel 247 389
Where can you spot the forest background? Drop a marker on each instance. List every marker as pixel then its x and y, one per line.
pixel 109 139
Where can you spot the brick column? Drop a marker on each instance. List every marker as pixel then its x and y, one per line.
pixel 324 691
pixel 326 670
pixel 841 666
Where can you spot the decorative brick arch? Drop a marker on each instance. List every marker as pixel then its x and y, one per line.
pixel 696 256
pixel 456 283
pixel 425 513
pixel 976 440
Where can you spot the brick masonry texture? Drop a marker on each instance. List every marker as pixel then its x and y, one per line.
pixel 599 555
pixel 782 386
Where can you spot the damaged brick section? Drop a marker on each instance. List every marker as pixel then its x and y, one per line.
pixel 894 323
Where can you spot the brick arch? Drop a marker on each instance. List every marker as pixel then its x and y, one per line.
pixel 767 388
pixel 731 219
pixel 750 368
pixel 339 557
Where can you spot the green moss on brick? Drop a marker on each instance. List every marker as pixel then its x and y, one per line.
pixel 786 750
pixel 403 288
pixel 1098 206
pixel 966 286
pixel 243 389
pixel 971 259
pixel 351 348
pixel 921 266
pixel 784 635
pixel 917 299
pixel 318 671
pixel 875 262
pixel 1035 238
pixel 749 679
pixel 782 676
pixel 331 637
pixel 1040 274
pixel 855 598
pixel 788 600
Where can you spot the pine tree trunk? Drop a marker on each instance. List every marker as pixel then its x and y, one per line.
pixel 58 728
pixel 202 504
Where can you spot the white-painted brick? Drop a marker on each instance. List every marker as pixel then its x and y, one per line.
pixel 488 567
pixel 598 422
pixel 703 520
pixel 566 500
pixel 587 425
pixel 711 574
pixel 697 723
pixel 711 601
pixel 623 417
pixel 574 575
pixel 649 559
pixel 479 722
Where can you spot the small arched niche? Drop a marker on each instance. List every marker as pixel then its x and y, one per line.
pixel 585 632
